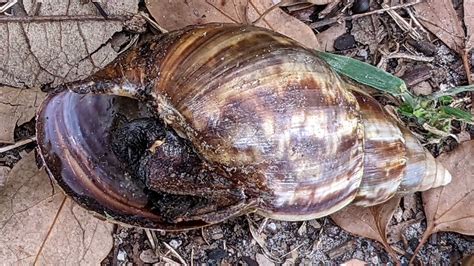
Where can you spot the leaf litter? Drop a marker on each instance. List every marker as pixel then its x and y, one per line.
pixel 450 208
pixel 328 236
pixel 17 106
pixel 173 15
pixel 64 41
pixel 38 224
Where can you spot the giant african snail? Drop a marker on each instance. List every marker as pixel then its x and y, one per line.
pixel 258 123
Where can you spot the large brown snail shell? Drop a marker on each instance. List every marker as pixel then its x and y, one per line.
pixel 270 127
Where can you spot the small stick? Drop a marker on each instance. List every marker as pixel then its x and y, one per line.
pixel 405 26
pixel 176 254
pixel 356 16
pixel 410 57
pixel 152 22
pixel 17 144
pixel 150 239
pixel 467 66
pixel 8 5
pixel 99 7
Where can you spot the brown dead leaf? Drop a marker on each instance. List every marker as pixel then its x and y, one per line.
pixel 17 106
pixel 450 208
pixel 39 225
pixel 440 18
pixel 4 170
pixel 65 41
pixel 172 15
pixel 370 222
pixel 327 37
pixel 469 22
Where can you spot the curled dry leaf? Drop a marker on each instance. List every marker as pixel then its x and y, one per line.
pixel 17 106
pixel 450 208
pixel 440 17
pixel 368 222
pixel 39 225
pixel 173 15
pixel 64 41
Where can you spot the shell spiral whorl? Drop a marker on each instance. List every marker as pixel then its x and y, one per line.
pixel 274 118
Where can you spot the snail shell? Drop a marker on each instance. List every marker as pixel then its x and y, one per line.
pixel 294 140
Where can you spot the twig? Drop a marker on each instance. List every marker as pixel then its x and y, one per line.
pixel 356 16
pixel 410 57
pixel 415 20
pixel 401 22
pixel 283 2
pixel 152 22
pixel 42 19
pixel 262 225
pixel 17 144
pixel 8 5
pixel 130 44
pixel 176 254
pixel 467 66
pixel 149 235
pixel 100 8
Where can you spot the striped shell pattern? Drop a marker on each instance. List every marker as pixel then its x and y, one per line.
pixel 268 114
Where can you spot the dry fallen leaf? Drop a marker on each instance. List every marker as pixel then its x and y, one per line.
pixel 450 208
pixel 469 22
pixel 39 225
pixel 4 170
pixel 64 41
pixel 370 222
pixel 439 17
pixel 172 15
pixel 17 106
pixel 327 37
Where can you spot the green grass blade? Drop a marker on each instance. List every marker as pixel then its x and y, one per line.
pixel 365 74
pixel 452 91
pixel 457 114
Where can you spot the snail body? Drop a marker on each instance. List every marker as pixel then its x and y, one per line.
pixel 267 125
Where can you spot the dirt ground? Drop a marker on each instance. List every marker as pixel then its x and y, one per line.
pixel 253 240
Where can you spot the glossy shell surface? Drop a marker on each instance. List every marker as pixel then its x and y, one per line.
pixel 73 132
pixel 258 109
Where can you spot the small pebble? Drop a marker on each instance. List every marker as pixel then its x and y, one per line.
pixel 314 223
pixel 149 256
pixel 122 254
pixel 175 243
pixel 263 261
pixel 217 254
pixel 344 42
pixel 361 6
pixel 363 53
pixel 272 226
pixel 422 89
pixel 375 260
